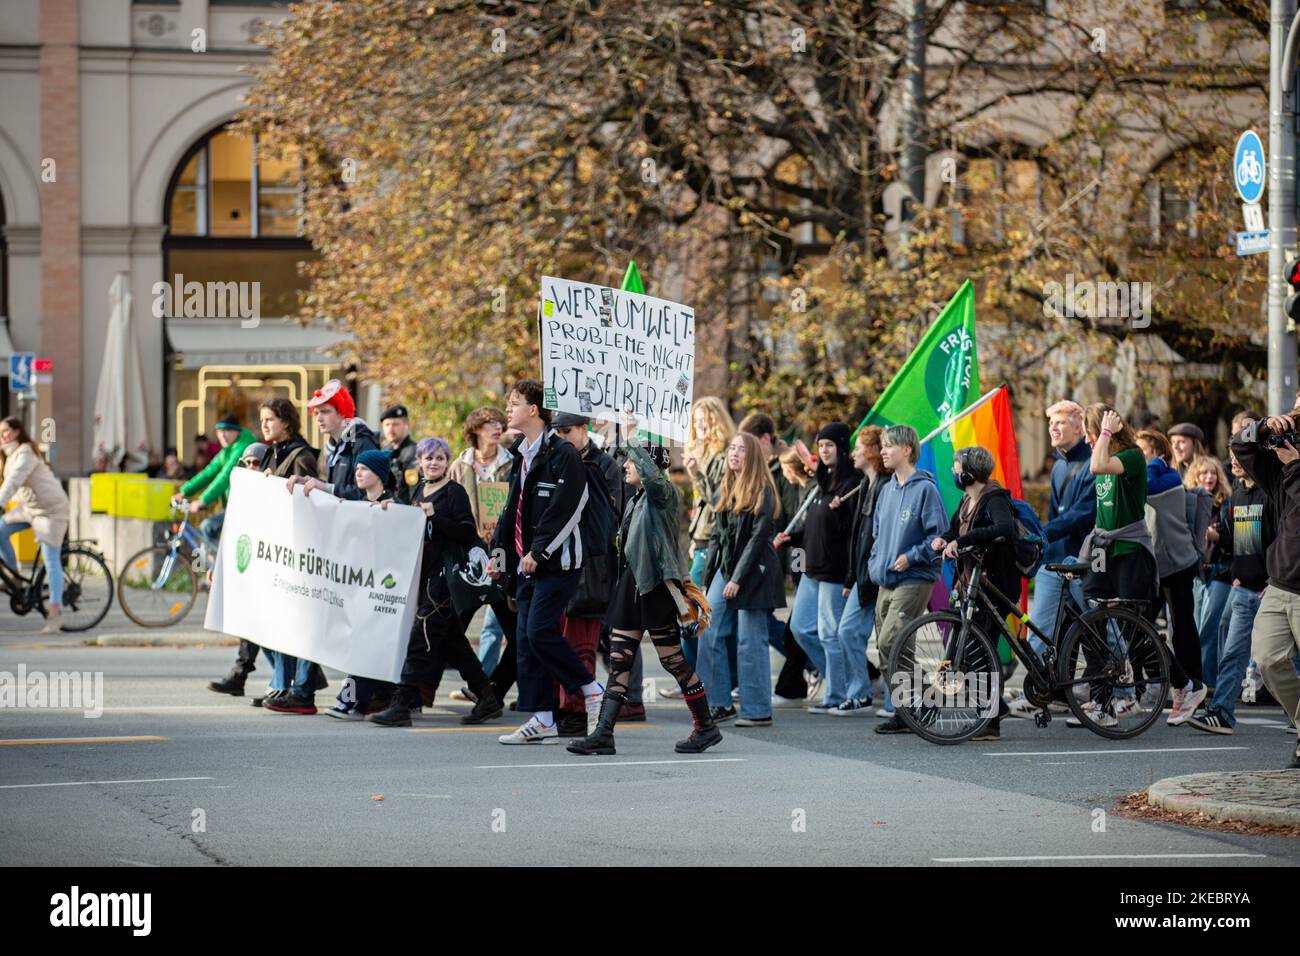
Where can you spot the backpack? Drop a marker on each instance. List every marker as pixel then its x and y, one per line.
pixel 1030 538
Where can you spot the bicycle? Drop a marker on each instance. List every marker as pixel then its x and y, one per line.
pixel 951 677
pixel 159 584
pixel 87 586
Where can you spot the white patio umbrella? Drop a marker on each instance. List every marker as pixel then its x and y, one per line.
pixel 121 416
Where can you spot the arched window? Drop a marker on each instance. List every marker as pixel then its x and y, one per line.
pixel 1187 204
pixel 234 213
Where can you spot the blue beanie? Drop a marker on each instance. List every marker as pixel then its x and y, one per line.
pixel 380 462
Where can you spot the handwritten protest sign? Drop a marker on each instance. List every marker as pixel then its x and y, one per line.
pixel 492 497
pixel 604 350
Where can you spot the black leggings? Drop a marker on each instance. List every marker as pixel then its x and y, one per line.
pixel 1176 595
pixel 625 645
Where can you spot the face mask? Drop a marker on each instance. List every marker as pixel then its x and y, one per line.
pixel 957 480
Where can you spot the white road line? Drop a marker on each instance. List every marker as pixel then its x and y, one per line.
pixel 88 783
pixel 1094 856
pixel 1076 753
pixel 606 763
pixel 1262 722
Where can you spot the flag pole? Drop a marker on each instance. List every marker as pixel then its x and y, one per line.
pixel 962 414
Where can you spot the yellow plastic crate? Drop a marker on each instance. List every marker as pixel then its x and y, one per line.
pixel 24 542
pixel 147 498
pixel 103 490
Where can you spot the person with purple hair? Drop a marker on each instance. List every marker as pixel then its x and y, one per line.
pixel 437 634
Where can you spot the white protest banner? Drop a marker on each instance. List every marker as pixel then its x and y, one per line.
pixel 604 350
pixel 316 577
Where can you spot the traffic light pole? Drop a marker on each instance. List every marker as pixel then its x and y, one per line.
pixel 1281 203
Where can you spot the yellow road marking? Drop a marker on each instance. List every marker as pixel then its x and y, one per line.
pixel 76 740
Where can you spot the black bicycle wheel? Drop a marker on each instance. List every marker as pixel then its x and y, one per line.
pixel 942 701
pixel 87 589
pixel 158 587
pixel 1114 671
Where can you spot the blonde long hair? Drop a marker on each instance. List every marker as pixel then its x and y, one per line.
pixel 1222 486
pixel 745 490
pixel 718 429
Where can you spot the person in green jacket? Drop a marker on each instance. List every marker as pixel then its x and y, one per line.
pixel 212 484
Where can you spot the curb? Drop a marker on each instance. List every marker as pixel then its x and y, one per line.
pixel 1179 795
pixel 166 638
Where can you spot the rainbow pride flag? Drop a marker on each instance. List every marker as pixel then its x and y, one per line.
pixel 987 422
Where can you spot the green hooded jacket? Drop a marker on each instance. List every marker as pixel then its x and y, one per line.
pixel 650 527
pixel 214 480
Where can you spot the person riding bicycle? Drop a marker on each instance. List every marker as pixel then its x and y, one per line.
pixel 212 484
pixel 43 506
pixel 986 520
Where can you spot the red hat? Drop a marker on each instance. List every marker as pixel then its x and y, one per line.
pixel 334 393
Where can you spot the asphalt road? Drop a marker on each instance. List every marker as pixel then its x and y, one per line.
pixel 190 777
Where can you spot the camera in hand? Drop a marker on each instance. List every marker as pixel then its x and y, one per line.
pixel 1279 439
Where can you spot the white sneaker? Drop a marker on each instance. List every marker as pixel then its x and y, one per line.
pixel 884 712
pixel 670 693
pixel 532 732
pixel 339 712
pixel 822 708
pixel 1185 705
pixel 814 683
pixel 1021 707
pixel 1125 707
pixel 1095 715
pixel 779 701
pixel 1149 697
pixel 852 708
pixel 53 623
pixel 464 694
pixel 592 703
pixel 735 695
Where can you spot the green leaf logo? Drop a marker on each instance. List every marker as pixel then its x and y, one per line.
pixel 243 553
pixel 389 581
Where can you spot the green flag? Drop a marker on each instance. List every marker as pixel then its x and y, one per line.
pixel 939 379
pixel 632 279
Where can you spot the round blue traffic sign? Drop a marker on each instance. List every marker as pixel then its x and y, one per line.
pixel 1248 169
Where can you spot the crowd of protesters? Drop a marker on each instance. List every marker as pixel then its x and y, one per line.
pixel 592 556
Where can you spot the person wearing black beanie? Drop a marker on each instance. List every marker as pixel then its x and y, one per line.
pixel 819 602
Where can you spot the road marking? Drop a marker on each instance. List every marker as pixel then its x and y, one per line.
pixel 1076 753
pixel 472 730
pixel 606 763
pixel 90 783
pixel 33 741
pixel 1094 856
pixel 1262 722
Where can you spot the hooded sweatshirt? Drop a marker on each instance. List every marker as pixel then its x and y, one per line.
pixel 827 531
pixel 908 517
pixel 214 480
pixel 1166 514
pixel 1282 485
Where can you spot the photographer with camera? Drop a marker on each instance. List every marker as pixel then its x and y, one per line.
pixel 1269 452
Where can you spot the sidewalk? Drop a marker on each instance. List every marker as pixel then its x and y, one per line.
pixel 1270 797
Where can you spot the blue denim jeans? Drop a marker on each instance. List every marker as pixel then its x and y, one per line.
pixel 854 631
pixel 212 525
pixel 712 662
pixel 1234 651
pixel 1049 590
pixel 282 666
pixel 690 645
pixel 490 639
pixel 51 555
pixel 1210 600
pixel 803 623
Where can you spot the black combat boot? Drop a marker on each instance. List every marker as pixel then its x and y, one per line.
pixel 706 732
pixel 601 741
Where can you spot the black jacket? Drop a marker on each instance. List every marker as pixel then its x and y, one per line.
pixel 596 585
pixel 862 538
pixel 341 459
pixel 292 457
pixel 451 526
pixel 740 547
pixel 1282 485
pixel 403 461
pixel 994 518
pixel 826 530
pixel 554 496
